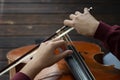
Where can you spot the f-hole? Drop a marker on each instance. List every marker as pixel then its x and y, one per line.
pixel 99 58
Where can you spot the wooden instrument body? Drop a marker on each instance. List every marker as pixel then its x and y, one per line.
pixel 59 71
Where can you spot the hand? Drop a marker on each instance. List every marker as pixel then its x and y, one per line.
pixel 45 54
pixel 44 57
pixel 84 23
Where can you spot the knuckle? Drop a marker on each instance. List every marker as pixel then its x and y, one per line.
pixel 70 15
pixel 42 43
pixel 51 44
pixel 73 23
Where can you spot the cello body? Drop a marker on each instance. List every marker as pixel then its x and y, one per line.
pixel 91 54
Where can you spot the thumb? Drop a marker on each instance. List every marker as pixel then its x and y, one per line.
pixel 68 23
pixel 64 54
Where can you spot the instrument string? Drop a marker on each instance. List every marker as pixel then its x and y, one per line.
pixel 84 72
pixel 71 45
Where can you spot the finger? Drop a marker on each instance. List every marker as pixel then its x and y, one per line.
pixel 77 13
pixel 63 54
pixel 86 11
pixel 56 39
pixel 58 43
pixel 72 16
pixel 68 23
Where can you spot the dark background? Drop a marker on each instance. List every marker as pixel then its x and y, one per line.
pixel 22 22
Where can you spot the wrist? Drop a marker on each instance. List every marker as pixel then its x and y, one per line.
pixel 31 69
pixel 94 28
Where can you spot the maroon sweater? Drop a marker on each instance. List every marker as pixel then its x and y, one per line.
pixel 20 76
pixel 109 35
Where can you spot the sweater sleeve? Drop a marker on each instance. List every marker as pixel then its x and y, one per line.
pixel 20 76
pixel 110 36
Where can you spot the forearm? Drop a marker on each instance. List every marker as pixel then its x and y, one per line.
pixel 110 36
pixel 31 69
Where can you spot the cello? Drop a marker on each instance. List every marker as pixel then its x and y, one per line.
pixel 90 71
